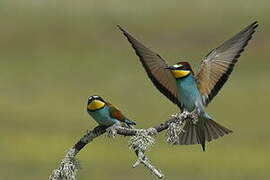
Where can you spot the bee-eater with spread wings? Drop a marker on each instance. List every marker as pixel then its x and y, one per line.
pixel 191 91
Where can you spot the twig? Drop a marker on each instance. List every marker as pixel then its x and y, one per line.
pixel 140 141
pixel 69 166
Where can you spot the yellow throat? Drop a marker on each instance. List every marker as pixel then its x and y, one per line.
pixel 180 73
pixel 96 104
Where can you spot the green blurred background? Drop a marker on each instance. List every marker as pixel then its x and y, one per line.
pixel 54 54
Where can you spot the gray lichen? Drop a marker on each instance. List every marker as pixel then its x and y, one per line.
pixel 176 127
pixel 174 130
pixel 68 167
pixel 141 141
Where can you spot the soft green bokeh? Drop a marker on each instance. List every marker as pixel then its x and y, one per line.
pixel 54 54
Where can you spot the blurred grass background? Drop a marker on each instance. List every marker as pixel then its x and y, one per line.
pixel 54 54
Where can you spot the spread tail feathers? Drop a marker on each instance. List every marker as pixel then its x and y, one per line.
pixel 205 130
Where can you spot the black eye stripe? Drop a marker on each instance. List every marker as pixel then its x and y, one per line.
pixel 183 68
pixel 99 98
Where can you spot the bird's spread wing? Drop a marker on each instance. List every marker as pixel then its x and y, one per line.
pixel 154 66
pixel 219 63
pixel 115 112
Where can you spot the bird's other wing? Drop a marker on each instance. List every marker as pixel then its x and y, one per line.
pixel 115 112
pixel 154 66
pixel 219 63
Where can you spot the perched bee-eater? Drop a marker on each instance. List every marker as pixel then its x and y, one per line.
pixel 191 91
pixel 105 113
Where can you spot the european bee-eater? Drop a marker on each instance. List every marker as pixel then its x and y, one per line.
pixel 191 91
pixel 105 113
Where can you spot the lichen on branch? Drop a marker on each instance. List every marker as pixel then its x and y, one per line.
pixel 140 141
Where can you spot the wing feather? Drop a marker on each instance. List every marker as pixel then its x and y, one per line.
pixel 154 66
pixel 217 66
pixel 115 112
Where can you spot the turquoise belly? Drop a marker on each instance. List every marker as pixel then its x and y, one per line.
pixel 189 94
pixel 102 117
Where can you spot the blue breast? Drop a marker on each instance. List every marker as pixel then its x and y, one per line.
pixel 189 94
pixel 102 116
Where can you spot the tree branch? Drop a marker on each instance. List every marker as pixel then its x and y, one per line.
pixel 140 141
